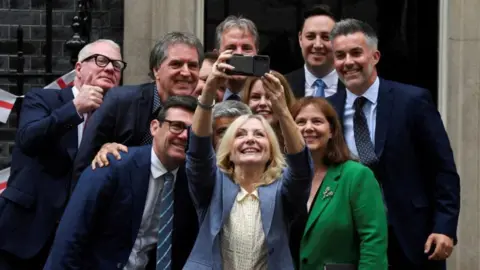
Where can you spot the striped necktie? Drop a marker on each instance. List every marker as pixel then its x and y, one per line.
pixel 147 138
pixel 164 244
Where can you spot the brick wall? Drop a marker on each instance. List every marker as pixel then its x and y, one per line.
pixel 107 22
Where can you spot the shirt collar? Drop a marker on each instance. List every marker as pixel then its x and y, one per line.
pixel 371 94
pixel 75 92
pixel 243 194
pixel 157 169
pixel 330 79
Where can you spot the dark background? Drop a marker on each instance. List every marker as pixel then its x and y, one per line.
pixel 407 31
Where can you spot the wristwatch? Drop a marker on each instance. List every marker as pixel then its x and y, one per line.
pixel 205 106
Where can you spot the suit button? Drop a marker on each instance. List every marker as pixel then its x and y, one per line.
pixel 270 252
pixel 119 265
pixel 68 126
pixel 304 260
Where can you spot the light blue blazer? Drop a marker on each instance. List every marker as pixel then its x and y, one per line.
pixel 214 193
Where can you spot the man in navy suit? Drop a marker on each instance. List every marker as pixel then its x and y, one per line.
pixel 117 214
pixel 50 130
pixel 127 111
pixel 318 76
pixel 396 130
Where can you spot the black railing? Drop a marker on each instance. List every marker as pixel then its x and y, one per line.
pixel 81 26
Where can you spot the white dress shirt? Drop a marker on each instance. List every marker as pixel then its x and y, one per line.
pixel 370 111
pixel 148 232
pixel 84 116
pixel 330 80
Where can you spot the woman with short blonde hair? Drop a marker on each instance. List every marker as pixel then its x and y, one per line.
pixel 247 194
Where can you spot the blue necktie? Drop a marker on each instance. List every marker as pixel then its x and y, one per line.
pixel 164 244
pixel 366 151
pixel 320 88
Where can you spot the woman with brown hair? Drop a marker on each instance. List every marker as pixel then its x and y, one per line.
pixel 346 221
pixel 255 96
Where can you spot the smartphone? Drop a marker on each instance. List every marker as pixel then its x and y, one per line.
pixel 249 65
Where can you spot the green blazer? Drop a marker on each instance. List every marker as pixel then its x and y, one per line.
pixel 347 222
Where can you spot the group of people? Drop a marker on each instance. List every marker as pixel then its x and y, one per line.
pixel 328 166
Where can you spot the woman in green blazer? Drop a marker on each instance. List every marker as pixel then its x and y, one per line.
pixel 346 222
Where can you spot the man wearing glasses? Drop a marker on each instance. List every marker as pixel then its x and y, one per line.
pixel 121 216
pixel 50 130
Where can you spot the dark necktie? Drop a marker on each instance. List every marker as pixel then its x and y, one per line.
pixel 319 88
pixel 147 138
pixel 164 244
pixel 364 144
pixel 234 97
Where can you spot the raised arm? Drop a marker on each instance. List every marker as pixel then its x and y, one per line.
pixel 94 192
pixel 297 178
pixel 201 166
pixel 40 127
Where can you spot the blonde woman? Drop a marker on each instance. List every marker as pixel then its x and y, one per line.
pixel 250 191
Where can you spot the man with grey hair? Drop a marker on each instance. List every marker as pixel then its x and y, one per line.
pixel 49 133
pixel 224 113
pixel 124 118
pixel 240 36
pixel 396 130
pixel 127 111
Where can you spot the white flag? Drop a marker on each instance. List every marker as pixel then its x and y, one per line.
pixel 7 101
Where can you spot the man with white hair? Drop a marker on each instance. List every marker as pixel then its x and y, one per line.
pixel 49 133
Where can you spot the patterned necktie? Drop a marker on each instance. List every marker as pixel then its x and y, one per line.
pixel 320 88
pixel 164 244
pixel 147 138
pixel 361 133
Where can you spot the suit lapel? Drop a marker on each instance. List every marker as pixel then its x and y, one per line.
pixel 338 100
pixel 230 191
pixel 384 109
pixel 144 111
pixel 299 83
pixel 70 140
pixel 267 195
pixel 324 195
pixel 139 177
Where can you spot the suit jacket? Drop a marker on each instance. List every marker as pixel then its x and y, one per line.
pixel 102 219
pixel 347 222
pixel 214 193
pixel 416 167
pixel 296 80
pixel 45 146
pixel 124 117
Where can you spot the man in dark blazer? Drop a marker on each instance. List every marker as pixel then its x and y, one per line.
pixel 114 218
pixel 127 110
pixel 396 130
pixel 50 130
pixel 318 76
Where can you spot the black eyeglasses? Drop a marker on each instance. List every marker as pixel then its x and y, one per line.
pixel 176 127
pixel 103 61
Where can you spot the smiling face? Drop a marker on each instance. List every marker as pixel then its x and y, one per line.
pixel 170 137
pixel 314 127
pixel 259 102
pixel 251 145
pixel 178 73
pixel 355 61
pixel 315 42
pixel 103 77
